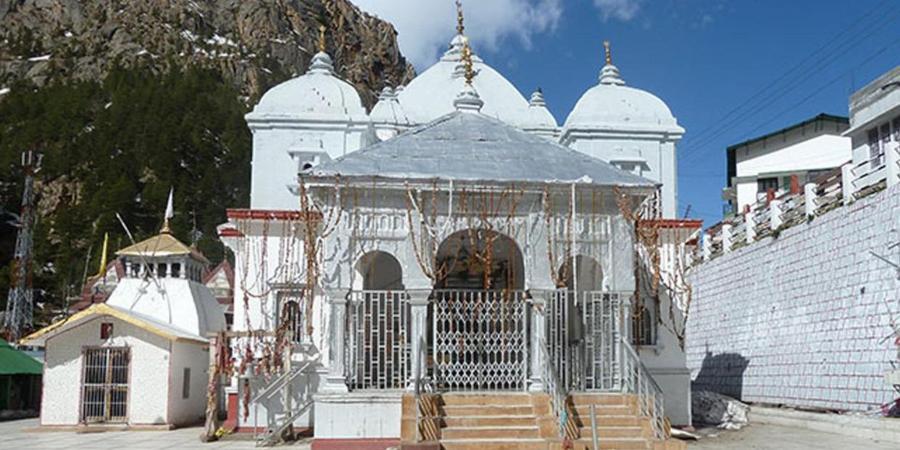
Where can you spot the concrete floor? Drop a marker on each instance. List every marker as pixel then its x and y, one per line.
pixel 774 437
pixel 14 436
pixel 754 437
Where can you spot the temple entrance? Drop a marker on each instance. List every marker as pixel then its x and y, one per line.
pixel 480 338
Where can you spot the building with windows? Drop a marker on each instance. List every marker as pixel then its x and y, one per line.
pixel 457 241
pixel 875 132
pixel 767 163
pixel 141 358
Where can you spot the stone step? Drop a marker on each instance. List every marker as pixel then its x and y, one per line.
pixel 511 399
pixel 494 444
pixel 507 432
pixel 486 410
pixel 611 432
pixel 583 398
pixel 606 444
pixel 584 411
pixel 486 421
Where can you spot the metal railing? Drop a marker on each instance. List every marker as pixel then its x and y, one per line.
pixel 378 340
pixel 292 404
pixel 582 335
pixel 559 394
pixel 636 379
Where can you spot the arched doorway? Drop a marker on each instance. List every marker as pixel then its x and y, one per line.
pixel 380 271
pixel 480 315
pixel 378 325
pixel 480 260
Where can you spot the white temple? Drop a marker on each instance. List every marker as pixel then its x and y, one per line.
pixel 318 117
pixel 454 240
pixel 141 358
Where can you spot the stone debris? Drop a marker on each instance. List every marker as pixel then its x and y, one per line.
pixel 721 411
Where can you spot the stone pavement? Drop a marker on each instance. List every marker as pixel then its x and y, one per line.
pixel 775 437
pixel 13 437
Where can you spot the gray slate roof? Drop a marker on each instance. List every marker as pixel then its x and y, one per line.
pixel 475 147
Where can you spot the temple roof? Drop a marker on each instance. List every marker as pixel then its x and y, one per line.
pixel 474 147
pixel 163 244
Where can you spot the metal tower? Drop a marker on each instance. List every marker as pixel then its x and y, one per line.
pixel 19 306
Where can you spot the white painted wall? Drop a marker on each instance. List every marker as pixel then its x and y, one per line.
pixel 371 415
pixel 191 410
pixel 655 152
pixel 274 169
pixel 802 319
pixel 148 378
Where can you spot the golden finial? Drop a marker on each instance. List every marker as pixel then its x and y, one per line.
pixel 467 62
pixel 460 25
pixel 608 50
pixel 322 38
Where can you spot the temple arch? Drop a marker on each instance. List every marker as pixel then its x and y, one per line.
pixel 379 271
pixel 581 272
pixel 480 259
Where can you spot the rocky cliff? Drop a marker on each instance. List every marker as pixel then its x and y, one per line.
pixel 253 43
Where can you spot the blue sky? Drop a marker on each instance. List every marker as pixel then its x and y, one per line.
pixel 729 70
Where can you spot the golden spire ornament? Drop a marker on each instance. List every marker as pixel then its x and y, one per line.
pixel 460 22
pixel 322 38
pixel 467 62
pixel 608 50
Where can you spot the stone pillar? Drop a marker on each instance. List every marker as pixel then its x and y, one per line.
pixel 809 199
pixel 418 313
pixel 775 214
pixel 892 163
pixel 749 226
pixel 538 338
pixel 706 249
pixel 726 238
pixel 847 180
pixel 336 379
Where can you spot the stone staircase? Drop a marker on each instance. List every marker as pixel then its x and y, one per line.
pixel 523 421
pixel 482 421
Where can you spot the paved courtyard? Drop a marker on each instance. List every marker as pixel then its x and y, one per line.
pixel 14 436
pixel 774 437
pixel 754 437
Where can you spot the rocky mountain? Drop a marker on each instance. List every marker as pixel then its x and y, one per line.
pixel 253 43
pixel 127 99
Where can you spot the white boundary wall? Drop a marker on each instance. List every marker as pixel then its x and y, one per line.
pixel 802 319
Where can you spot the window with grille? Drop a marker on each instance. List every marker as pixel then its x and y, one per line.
pixel 764 184
pixel 104 385
pixel 292 315
pixel 876 153
pixel 644 327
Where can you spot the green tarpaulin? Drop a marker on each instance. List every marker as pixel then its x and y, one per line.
pixel 14 362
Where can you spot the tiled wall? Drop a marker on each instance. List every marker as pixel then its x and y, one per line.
pixel 803 319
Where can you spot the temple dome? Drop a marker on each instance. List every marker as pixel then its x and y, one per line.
pixel 612 105
pixel 318 92
pixel 431 94
pixel 388 109
pixel 539 116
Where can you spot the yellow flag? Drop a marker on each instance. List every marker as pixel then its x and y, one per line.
pixel 101 271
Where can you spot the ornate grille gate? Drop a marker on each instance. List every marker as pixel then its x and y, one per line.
pixel 583 333
pixel 104 387
pixel 378 342
pixel 480 340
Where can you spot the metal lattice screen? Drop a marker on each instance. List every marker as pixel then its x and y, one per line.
pixel 480 340
pixel 378 340
pixel 105 385
pixel 582 335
